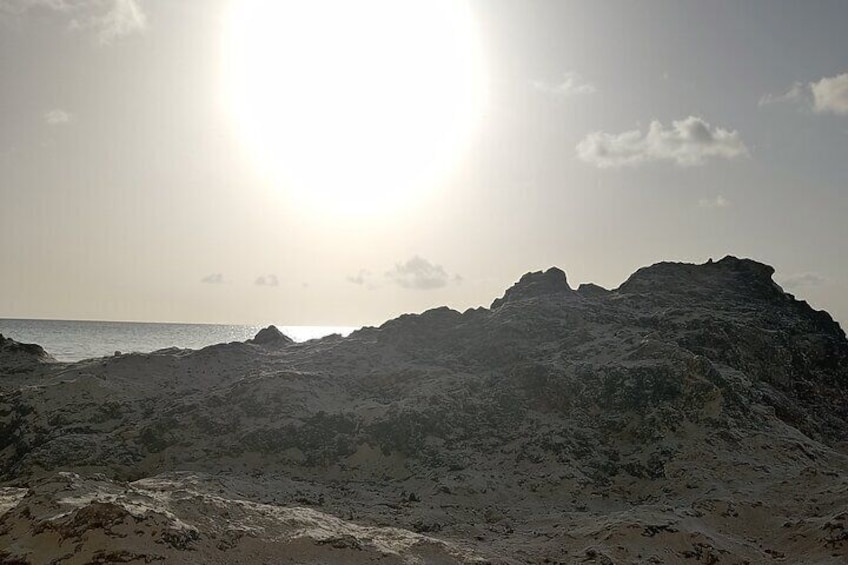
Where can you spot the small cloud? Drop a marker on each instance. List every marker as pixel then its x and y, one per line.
pixel 688 142
pixel 111 20
pixel 803 280
pixel 358 278
pixel 58 117
pixel 717 202
pixel 267 280
pixel 363 278
pixel 798 93
pixel 214 278
pixel 108 20
pixel 570 85
pixel 21 7
pixel 420 274
pixel 830 95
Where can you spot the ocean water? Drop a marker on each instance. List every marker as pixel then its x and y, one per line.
pixel 69 340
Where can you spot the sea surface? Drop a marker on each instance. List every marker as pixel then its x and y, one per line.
pixel 69 340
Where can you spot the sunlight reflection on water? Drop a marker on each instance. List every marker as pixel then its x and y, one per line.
pixel 69 340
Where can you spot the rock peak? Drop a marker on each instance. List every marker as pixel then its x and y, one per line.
pixel 271 336
pixel 729 275
pixel 537 283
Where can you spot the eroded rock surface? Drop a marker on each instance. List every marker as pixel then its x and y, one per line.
pixel 695 414
pixel 16 357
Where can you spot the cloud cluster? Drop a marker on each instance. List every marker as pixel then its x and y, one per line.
pixel 213 278
pixel 826 96
pixel 688 142
pixel 717 202
pixel 570 85
pixel 108 20
pixel 267 280
pixel 58 117
pixel 261 280
pixel 417 274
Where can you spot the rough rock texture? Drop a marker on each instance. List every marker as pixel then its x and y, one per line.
pixel 18 357
pixel 69 519
pixel 695 414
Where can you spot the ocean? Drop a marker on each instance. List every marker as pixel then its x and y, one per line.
pixel 69 340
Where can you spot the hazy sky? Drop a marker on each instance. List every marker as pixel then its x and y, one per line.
pixel 156 157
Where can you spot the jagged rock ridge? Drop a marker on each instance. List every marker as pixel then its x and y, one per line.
pixel 697 412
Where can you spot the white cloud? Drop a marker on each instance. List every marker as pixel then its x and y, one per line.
pixel 420 274
pixel 830 94
pixel 267 280
pixel 826 96
pixel 717 202
pixel 214 278
pixel 112 19
pixel 798 93
pixel 363 278
pixel 802 280
pixel 58 117
pixel 688 142
pixel 20 7
pixel 571 84
pixel 106 19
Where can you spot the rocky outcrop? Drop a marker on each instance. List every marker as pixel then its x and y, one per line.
pixel 271 337
pixel 697 413
pixel 16 357
pixel 535 285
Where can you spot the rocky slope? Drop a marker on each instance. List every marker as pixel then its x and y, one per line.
pixel 695 414
pixel 16 358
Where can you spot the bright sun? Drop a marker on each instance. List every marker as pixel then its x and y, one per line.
pixel 353 106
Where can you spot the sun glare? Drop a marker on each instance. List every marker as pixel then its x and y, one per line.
pixel 353 107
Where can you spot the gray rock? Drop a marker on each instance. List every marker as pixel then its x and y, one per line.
pixel 629 425
pixel 271 336
pixel 16 357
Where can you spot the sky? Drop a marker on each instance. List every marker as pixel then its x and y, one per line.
pixel 256 161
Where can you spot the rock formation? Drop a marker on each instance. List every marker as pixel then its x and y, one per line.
pixel 271 337
pixel 18 357
pixel 697 413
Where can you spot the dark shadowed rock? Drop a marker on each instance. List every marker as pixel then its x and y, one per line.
pixel 536 284
pixel 271 337
pixel 696 413
pixel 16 356
pixel 591 290
pixel 729 278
